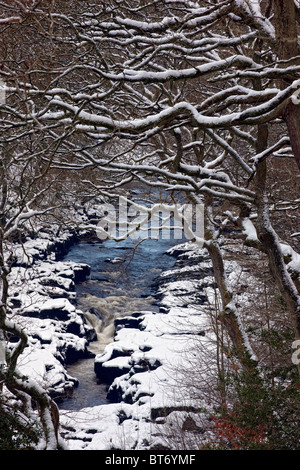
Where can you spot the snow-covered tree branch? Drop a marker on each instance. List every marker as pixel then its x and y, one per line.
pixel 199 98
pixel 189 97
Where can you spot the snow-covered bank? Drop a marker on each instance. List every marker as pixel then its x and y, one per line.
pixel 144 368
pixel 43 301
pixel 156 364
pixel 160 367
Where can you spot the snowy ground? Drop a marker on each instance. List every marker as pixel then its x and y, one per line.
pixel 149 357
pixel 43 301
pixel 152 357
pixel 160 364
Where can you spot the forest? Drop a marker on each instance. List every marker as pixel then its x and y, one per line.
pixel 198 103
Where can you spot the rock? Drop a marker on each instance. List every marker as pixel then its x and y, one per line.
pixel 59 309
pixel 81 272
pixel 115 260
pixel 108 371
pixel 132 321
pixel 73 353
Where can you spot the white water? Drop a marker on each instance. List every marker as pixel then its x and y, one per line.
pixel 110 308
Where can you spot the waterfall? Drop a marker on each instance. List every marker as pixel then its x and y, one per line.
pixel 107 310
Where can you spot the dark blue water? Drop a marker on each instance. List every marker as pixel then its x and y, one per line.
pixel 122 265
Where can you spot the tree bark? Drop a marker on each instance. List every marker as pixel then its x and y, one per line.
pixel 269 240
pixel 229 315
pixel 285 22
pixel 25 390
pixel 286 29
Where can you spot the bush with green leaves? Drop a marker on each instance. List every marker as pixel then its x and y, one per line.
pixel 16 432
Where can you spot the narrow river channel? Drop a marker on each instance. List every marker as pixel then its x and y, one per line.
pixel 122 281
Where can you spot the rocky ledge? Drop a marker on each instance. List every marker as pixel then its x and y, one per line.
pixel 42 299
pixel 144 367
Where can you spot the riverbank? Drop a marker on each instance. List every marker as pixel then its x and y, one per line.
pixel 158 369
pixel 42 298
pixel 146 368
pixel 161 368
pixel 137 367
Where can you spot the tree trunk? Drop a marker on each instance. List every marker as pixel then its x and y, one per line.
pixel 285 28
pixel 27 391
pixel 229 315
pixel 287 48
pixel 270 243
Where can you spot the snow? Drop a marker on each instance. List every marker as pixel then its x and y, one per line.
pixel 144 356
pixel 252 8
pixel 151 358
pixel 249 230
pixel 295 97
pixel 292 258
pixel 12 19
pixel 2 352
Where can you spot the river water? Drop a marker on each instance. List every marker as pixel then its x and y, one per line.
pixel 122 281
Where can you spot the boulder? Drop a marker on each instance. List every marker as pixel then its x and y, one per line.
pixel 58 309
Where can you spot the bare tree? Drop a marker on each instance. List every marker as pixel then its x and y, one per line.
pixel 26 196
pixel 188 96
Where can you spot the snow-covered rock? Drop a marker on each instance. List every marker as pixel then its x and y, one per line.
pixel 42 299
pixel 144 363
pixel 140 366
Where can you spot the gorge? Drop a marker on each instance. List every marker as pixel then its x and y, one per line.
pixel 129 312
pixel 121 282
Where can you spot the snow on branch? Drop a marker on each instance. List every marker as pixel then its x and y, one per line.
pixel 251 115
pixel 12 19
pixel 266 153
pixel 131 75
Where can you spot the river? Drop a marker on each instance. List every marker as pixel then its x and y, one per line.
pixel 122 281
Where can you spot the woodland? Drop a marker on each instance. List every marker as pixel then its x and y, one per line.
pixel 194 100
